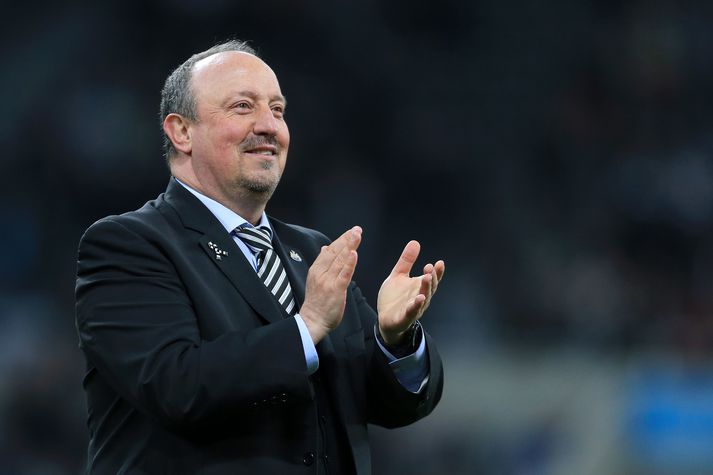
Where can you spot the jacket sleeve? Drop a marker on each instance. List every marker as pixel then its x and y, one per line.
pixel 138 328
pixel 389 404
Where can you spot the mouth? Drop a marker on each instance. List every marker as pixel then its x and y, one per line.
pixel 263 150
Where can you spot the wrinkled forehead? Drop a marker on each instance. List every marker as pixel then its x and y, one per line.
pixel 230 70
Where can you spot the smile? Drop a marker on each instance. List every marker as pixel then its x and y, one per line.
pixel 266 150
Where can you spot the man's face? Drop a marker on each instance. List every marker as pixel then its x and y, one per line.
pixel 240 140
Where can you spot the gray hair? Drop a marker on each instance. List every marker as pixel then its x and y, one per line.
pixel 177 96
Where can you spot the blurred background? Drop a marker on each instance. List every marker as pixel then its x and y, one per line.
pixel 557 155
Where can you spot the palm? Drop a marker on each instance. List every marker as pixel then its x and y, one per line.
pixel 393 302
pixel 402 298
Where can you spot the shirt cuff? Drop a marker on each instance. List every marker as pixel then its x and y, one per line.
pixel 311 357
pixel 412 370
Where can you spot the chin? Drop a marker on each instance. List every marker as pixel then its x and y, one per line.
pixel 259 187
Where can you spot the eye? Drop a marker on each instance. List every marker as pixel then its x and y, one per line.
pixel 278 110
pixel 242 106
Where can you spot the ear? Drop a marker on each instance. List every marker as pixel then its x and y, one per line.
pixel 177 129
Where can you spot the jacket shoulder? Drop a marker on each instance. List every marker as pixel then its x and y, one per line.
pixel 153 215
pixel 283 229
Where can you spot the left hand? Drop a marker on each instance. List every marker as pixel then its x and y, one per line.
pixel 403 299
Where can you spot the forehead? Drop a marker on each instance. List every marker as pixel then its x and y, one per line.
pixel 226 73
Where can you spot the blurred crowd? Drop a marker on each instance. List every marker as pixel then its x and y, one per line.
pixel 557 155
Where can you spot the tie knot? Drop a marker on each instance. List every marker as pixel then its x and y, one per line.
pixel 257 239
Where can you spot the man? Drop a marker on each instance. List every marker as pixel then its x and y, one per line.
pixel 219 340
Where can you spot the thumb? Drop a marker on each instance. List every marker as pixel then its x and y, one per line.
pixel 407 259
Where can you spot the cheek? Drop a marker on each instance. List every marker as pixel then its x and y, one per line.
pixel 284 136
pixel 228 139
pixel 207 142
pixel 227 134
pixel 221 151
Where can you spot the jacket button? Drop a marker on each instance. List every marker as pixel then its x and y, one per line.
pixel 308 458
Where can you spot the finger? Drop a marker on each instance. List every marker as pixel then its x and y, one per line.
pixel 426 284
pixel 321 263
pixel 429 291
pixel 325 259
pixel 437 275
pixel 437 271
pixel 407 259
pixel 427 268
pixel 434 282
pixel 339 263
pixel 329 253
pixel 414 307
pixel 356 238
pixel 347 271
pixel 345 239
pixel 440 268
pixel 350 240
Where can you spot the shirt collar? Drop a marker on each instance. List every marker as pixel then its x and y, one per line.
pixel 227 217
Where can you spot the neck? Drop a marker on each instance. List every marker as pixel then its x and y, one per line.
pixel 244 203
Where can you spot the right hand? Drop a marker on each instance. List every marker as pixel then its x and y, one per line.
pixel 327 282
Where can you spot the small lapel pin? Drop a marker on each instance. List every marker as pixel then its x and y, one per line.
pixel 219 253
pixel 295 256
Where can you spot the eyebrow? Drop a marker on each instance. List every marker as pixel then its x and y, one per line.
pixel 252 95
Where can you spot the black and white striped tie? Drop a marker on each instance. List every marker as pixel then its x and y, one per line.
pixel 269 267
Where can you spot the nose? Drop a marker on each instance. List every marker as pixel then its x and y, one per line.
pixel 265 122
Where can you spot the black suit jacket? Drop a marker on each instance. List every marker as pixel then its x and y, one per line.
pixel 191 365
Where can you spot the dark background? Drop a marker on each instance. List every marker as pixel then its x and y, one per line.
pixel 556 154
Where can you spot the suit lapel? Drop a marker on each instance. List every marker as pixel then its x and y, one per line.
pixel 219 247
pixel 243 277
pixel 293 261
